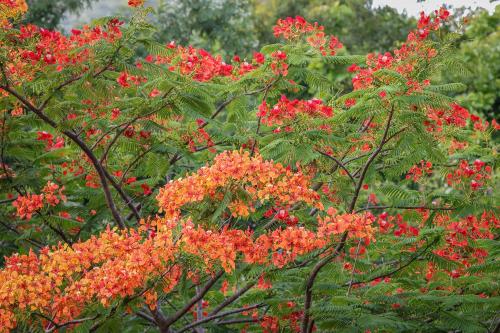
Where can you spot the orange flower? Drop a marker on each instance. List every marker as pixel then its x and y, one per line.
pixel 262 180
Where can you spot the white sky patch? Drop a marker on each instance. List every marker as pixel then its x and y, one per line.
pixel 413 8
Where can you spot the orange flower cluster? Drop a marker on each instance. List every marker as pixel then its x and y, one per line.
pixel 27 205
pixel 60 282
pixel 261 180
pixel 358 225
pixel 278 247
pixel 11 9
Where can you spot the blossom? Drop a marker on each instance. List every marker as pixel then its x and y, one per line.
pixel 27 205
pixel 135 3
pixel 12 9
pixel 253 174
pixel 286 110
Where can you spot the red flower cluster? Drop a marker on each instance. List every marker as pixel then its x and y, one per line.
pixel 201 136
pixel 124 78
pixel 459 233
pixel 278 64
pixel 286 110
pixel 27 205
pixel 49 140
pixel 437 118
pixel 417 171
pixel 477 173
pixel 37 47
pixel 404 58
pixel 135 3
pixel 201 65
pixel 54 48
pixel 296 28
pixel 278 247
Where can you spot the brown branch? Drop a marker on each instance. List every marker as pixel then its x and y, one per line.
pixel 32 241
pixel 400 268
pixel 369 162
pixel 56 326
pixel 232 298
pixel 239 321
pixel 339 163
pixel 403 207
pixel 166 323
pixel 314 273
pixel 312 277
pixel 217 316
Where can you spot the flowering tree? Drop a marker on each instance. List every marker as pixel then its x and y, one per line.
pixel 183 193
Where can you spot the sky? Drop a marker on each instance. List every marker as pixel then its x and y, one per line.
pixel 413 7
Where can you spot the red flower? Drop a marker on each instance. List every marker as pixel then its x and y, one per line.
pixel 154 93
pixel 135 3
pixel 350 102
pixel 259 57
pixel 146 189
pixel 123 80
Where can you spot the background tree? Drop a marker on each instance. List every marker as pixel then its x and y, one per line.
pixel 49 13
pixel 218 26
pixel 479 50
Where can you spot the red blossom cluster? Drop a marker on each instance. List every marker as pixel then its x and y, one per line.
pixel 203 66
pixel 49 140
pixel 475 175
pixel 200 136
pixel 135 3
pixel 417 171
pixel 286 110
pixel 282 215
pixel 54 48
pixel 296 28
pixel 124 79
pixel 28 204
pixel 437 118
pixel 459 235
pixel 278 247
pixel 278 64
pixel 403 59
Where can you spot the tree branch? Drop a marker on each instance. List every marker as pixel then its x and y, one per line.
pixel 217 316
pixel 165 324
pixel 340 164
pixel 232 298
pixel 403 207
